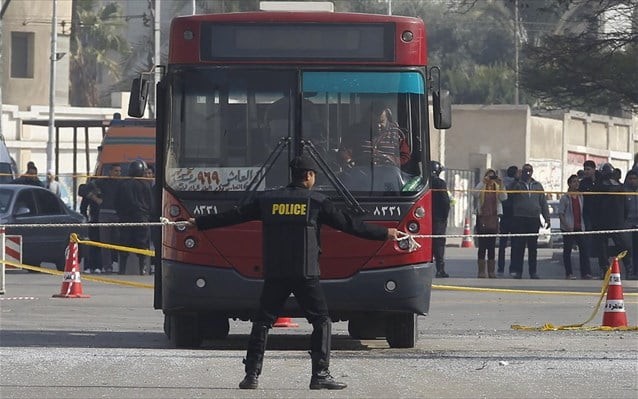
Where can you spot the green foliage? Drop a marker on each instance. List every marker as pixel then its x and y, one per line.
pixel 96 37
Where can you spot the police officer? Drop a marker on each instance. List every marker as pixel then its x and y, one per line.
pixel 292 219
pixel 440 212
pixel 133 203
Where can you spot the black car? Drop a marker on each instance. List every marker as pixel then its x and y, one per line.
pixel 24 204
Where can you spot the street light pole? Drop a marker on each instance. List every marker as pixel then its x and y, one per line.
pixel 54 42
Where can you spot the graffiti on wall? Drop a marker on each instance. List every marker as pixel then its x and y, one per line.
pixel 548 172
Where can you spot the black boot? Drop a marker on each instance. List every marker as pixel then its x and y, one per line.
pixel 321 378
pixel 254 356
pixel 144 264
pixel 320 342
pixel 250 381
pixel 440 271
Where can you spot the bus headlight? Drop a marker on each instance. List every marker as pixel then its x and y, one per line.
pixel 407 36
pixel 190 242
pixel 390 286
pixel 200 283
pixel 180 226
pixel 174 210
pixel 413 227
pixel 404 244
pixel 419 212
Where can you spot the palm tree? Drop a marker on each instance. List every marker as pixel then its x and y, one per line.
pixel 96 43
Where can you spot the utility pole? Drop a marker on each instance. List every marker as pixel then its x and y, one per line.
pixel 54 51
pixel 1 73
pixel 194 7
pixel 157 57
pixel 516 49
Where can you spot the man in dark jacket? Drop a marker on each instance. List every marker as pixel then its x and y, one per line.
pixel 506 224
pixel 611 215
pixel 108 191
pixel 527 207
pixel 292 218
pixel 133 203
pixel 30 177
pixel 440 212
pixel 90 209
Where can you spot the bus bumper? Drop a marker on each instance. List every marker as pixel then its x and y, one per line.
pixel 193 288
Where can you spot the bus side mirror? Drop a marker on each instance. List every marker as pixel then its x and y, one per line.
pixel 139 96
pixel 442 109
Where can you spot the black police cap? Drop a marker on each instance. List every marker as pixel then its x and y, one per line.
pixel 303 162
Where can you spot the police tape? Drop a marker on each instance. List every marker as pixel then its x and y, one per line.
pixel 140 251
pixel 581 326
pixel 85 277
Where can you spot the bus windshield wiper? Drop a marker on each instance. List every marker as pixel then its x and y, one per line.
pixel 264 169
pixel 351 202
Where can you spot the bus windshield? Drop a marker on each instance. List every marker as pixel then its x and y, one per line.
pixel 367 126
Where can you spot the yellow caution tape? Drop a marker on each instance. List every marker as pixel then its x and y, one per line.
pixel 147 252
pixel 105 280
pixel 581 326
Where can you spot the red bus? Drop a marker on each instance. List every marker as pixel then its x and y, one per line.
pixel 244 93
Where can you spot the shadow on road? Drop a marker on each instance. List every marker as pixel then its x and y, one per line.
pixel 152 340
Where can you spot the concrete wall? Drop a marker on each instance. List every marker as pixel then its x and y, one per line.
pixel 556 145
pixel 35 17
pixel 499 130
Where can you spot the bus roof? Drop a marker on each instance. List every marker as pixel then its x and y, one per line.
pixel 188 38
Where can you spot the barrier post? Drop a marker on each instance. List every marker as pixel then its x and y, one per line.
pixel 3 258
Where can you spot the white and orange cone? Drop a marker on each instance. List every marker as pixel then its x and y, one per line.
pixel 615 315
pixel 71 284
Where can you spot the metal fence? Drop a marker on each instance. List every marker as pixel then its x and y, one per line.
pixel 459 181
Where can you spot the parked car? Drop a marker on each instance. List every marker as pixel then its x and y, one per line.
pixel 24 204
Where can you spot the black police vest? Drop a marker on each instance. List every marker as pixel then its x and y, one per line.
pixel 290 238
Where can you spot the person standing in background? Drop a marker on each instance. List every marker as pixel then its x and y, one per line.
pixel 488 196
pixel 528 204
pixel 506 220
pixel 106 200
pixel 440 212
pixel 570 211
pixel 631 204
pixel 52 184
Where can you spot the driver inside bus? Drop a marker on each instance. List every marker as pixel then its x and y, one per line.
pixel 379 141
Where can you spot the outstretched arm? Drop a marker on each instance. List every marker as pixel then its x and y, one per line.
pixel 343 221
pixel 234 216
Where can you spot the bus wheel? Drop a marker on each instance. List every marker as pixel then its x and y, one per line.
pixel 213 326
pixel 366 327
pixel 402 330
pixel 184 331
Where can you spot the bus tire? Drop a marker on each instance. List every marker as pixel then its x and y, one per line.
pixel 366 327
pixel 213 326
pixel 184 330
pixel 402 330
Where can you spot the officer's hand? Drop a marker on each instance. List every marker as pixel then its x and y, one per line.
pixel 191 222
pixel 393 234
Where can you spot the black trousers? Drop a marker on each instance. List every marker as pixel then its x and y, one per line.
pixel 136 237
pixel 439 227
pixel 505 228
pixel 524 225
pixel 583 254
pixel 311 299
pixel 622 242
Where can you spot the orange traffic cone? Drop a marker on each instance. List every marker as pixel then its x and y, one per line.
pixel 467 240
pixel 71 284
pixel 285 322
pixel 615 315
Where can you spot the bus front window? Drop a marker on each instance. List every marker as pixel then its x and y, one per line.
pixel 369 127
pixel 223 124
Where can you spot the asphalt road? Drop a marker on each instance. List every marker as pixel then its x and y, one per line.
pixel 112 346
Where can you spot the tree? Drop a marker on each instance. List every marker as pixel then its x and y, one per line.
pixel 594 67
pixel 95 38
